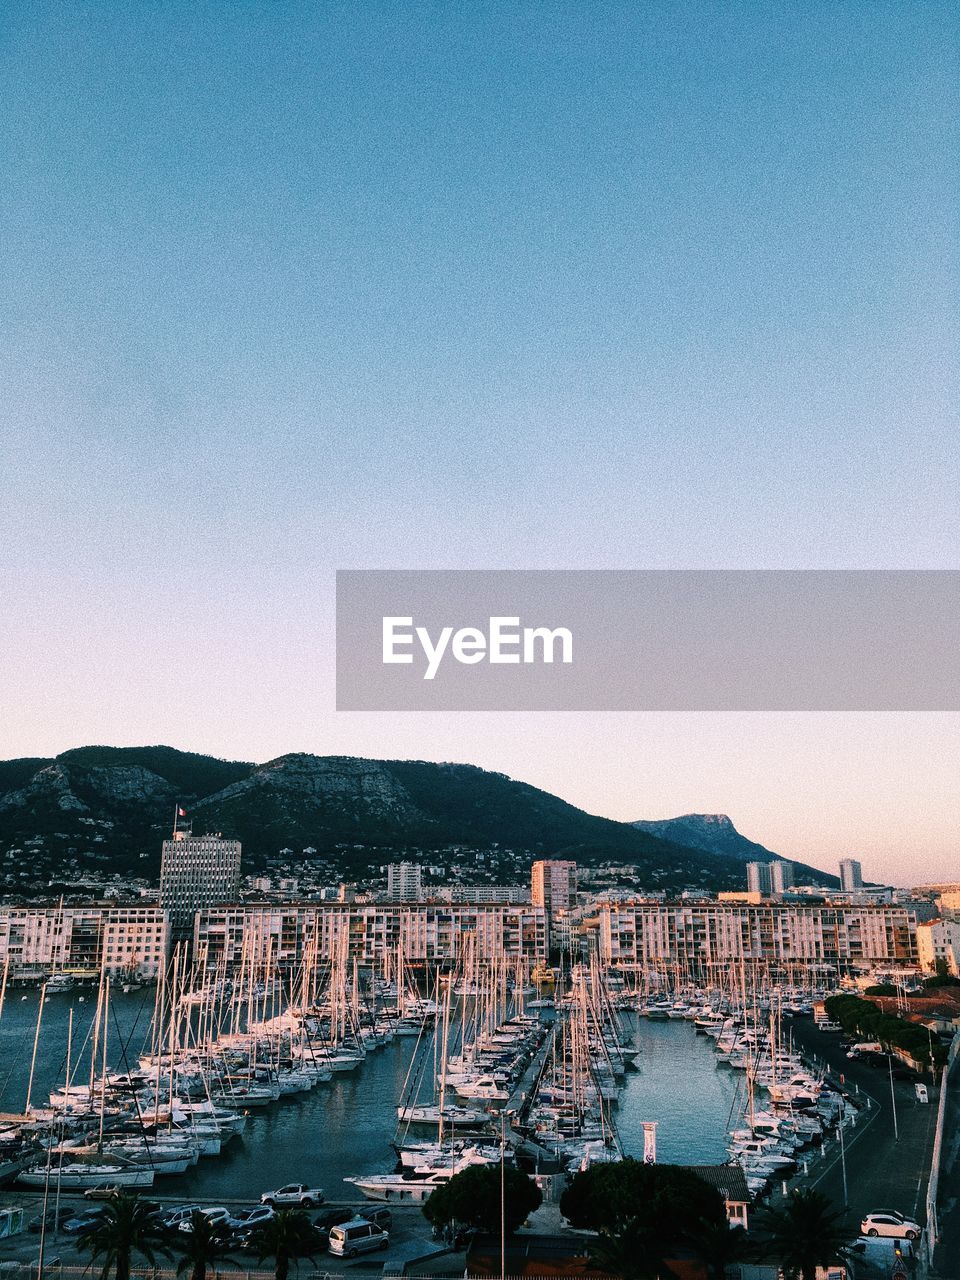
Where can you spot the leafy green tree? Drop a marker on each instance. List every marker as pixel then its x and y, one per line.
pixel 125 1226
pixel 720 1245
pixel 206 1244
pixel 802 1234
pixel 472 1198
pixel 629 1252
pixel 942 978
pixel 664 1201
pixel 286 1237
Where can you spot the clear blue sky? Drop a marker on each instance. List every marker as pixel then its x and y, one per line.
pixel 292 287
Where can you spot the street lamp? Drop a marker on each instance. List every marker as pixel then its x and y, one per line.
pixel 893 1096
pixel 843 1151
pixel 503 1192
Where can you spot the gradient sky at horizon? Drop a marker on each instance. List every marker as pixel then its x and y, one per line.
pixel 293 287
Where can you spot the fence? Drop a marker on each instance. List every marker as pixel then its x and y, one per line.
pixel 949 1079
pixel 55 1271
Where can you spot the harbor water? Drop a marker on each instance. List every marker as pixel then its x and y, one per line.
pixel 346 1126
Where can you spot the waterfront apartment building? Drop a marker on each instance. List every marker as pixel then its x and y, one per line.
pixel 700 934
pixel 404 882
pixel 84 940
pixel 851 875
pixel 430 933
pixel 197 872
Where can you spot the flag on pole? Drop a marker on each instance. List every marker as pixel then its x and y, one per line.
pixel 181 813
pixel 650 1142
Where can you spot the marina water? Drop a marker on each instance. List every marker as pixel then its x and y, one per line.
pixel 347 1125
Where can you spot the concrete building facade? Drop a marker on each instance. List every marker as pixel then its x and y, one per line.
pixel 758 877
pixel 700 934
pixel 938 946
pixel 404 882
pixel 781 877
pixel 368 932
pixel 553 884
pixel 851 875
pixel 197 872
pixel 84 940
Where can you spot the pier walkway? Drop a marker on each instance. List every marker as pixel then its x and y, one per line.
pixel 522 1097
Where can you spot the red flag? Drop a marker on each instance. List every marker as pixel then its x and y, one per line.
pixel 181 813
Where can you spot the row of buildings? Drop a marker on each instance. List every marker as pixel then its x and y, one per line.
pixel 199 902
pixel 135 940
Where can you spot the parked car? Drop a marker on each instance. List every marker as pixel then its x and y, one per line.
pixel 245 1220
pixel 294 1193
pixel 53 1219
pixel 882 1250
pixel 862 1047
pixel 173 1217
pixel 82 1222
pixel 356 1236
pixel 887 1222
pixel 218 1214
pixel 382 1218
pixel 105 1192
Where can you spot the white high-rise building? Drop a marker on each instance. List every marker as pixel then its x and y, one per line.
pixel 781 877
pixel 404 882
pixel 758 877
pixel 553 886
pixel 197 872
pixel 851 875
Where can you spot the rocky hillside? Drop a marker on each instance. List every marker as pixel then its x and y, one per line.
pixel 712 832
pixel 715 833
pixel 112 807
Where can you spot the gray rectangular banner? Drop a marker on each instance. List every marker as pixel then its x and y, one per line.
pixel 648 640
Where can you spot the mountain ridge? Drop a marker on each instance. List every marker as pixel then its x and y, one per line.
pixel 114 805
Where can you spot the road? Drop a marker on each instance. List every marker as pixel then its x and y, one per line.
pixel 887 1164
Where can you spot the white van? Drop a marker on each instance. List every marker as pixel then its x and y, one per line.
pixel 356 1236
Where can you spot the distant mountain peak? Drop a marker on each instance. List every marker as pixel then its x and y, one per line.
pixel 711 832
pixel 706 819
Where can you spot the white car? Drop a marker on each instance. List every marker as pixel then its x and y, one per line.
pixel 294 1193
pixel 887 1222
pixel 173 1217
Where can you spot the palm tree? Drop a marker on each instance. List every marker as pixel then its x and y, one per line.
pixel 285 1237
pixel 802 1234
pixel 207 1244
pixel 719 1245
pixel 630 1252
pixel 126 1225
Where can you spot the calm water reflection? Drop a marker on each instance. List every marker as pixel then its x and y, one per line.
pixel 346 1126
